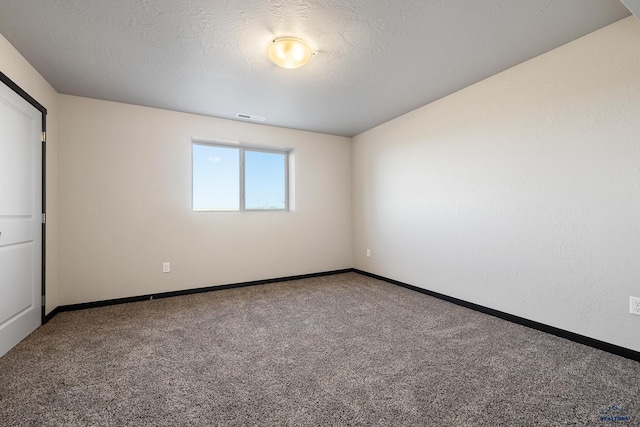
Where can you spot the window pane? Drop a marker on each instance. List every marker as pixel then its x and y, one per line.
pixel 265 180
pixel 216 178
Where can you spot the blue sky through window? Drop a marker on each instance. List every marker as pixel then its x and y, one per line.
pixel 264 180
pixel 216 179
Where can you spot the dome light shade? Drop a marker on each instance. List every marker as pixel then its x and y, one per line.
pixel 289 52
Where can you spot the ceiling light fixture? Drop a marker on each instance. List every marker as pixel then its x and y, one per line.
pixel 290 52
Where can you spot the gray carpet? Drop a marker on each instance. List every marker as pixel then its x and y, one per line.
pixel 329 351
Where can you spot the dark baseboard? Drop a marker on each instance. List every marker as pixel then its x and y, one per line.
pixel 581 339
pixel 51 315
pixel 103 303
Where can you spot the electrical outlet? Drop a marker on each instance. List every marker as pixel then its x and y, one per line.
pixel 166 267
pixel 634 305
pixel 368 253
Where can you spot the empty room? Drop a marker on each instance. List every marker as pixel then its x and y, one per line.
pixel 319 213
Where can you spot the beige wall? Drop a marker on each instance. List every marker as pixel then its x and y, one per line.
pixel 520 193
pixel 14 66
pixel 125 193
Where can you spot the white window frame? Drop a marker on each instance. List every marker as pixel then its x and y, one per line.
pixel 242 148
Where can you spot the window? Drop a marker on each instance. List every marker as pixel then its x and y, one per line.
pixel 237 178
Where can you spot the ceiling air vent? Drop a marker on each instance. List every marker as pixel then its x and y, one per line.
pixel 250 117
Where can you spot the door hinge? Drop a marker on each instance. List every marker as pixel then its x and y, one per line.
pixel 44 300
pixel 44 218
pixel 44 136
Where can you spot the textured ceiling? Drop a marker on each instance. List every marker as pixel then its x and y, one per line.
pixel 376 59
pixel 633 6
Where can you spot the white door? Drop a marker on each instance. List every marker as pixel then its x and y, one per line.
pixel 20 218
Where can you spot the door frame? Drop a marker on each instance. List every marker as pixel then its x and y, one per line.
pixel 17 89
